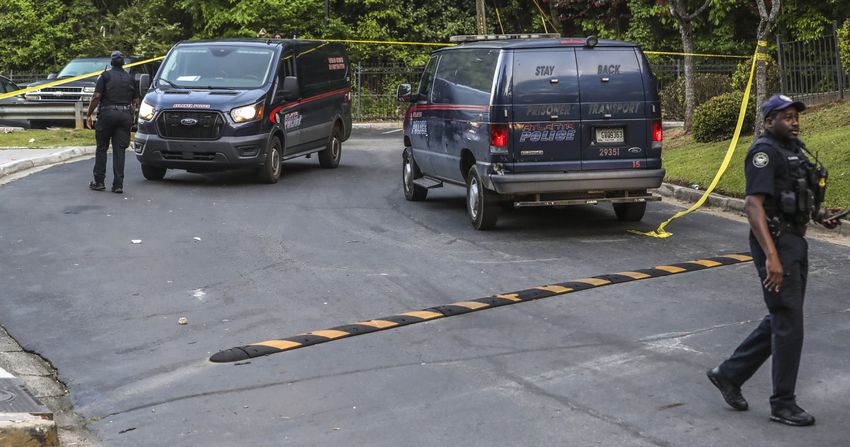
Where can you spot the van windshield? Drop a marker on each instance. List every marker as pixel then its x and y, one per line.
pixel 84 66
pixel 224 67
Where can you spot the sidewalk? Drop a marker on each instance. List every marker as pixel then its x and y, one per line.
pixel 13 160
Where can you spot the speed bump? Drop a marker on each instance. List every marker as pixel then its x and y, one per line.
pixel 466 306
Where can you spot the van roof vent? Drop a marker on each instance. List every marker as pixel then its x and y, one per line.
pixel 481 37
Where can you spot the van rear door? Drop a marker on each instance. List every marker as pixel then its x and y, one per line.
pixel 615 129
pixel 546 112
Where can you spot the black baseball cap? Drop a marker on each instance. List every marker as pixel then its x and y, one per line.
pixel 117 58
pixel 780 102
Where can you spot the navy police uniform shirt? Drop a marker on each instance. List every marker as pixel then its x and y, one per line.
pixel 116 87
pixel 766 166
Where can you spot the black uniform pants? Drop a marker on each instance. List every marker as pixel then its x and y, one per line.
pixel 112 125
pixel 781 332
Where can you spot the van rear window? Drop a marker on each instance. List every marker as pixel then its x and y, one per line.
pixel 610 75
pixel 545 76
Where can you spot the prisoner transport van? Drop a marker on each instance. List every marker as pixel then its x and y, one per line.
pixel 535 120
pixel 224 104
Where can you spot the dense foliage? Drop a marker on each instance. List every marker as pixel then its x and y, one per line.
pixel 41 35
pixel 707 86
pixel 717 118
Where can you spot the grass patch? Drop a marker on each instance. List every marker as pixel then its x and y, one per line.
pixel 825 130
pixel 48 138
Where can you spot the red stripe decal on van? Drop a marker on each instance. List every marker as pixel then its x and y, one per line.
pixel 448 107
pixel 273 114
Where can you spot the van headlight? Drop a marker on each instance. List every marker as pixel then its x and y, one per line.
pixel 146 111
pixel 88 89
pixel 244 114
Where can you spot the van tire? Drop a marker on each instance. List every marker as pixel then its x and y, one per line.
pixel 482 205
pixel 329 158
pixel 272 168
pixel 630 212
pixel 153 172
pixel 410 172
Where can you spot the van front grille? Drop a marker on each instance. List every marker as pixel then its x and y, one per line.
pixel 177 155
pixel 189 125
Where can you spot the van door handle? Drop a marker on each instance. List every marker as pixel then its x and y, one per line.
pixel 553 81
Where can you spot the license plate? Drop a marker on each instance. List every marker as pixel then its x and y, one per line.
pixel 610 135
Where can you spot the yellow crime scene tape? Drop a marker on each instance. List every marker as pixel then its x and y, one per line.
pixel 267 347
pixel 75 78
pixel 660 232
pixel 352 41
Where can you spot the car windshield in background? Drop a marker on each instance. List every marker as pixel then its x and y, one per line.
pixel 81 67
pixel 227 67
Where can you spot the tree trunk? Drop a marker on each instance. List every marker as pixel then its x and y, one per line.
pixel 766 21
pixel 685 30
pixel 679 11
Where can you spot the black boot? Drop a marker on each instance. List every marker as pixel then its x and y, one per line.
pixel 731 393
pixel 97 186
pixel 792 415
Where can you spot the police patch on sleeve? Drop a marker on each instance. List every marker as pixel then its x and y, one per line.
pixel 760 159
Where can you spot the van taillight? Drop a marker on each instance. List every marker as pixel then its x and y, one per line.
pixel 657 133
pixel 498 138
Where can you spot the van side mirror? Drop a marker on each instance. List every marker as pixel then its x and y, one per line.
pixel 51 76
pixel 144 83
pixel 290 89
pixel 403 93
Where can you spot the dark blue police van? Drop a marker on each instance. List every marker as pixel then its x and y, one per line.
pixel 535 120
pixel 226 104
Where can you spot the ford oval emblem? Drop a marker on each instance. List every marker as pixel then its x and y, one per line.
pixel 635 150
pixel 188 121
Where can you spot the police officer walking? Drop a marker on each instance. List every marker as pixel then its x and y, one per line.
pixel 117 94
pixel 783 192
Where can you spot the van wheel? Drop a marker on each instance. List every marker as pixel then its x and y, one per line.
pixel 153 172
pixel 329 158
pixel 271 169
pixel 411 172
pixel 481 203
pixel 630 212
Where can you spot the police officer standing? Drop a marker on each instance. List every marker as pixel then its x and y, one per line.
pixel 784 191
pixel 116 93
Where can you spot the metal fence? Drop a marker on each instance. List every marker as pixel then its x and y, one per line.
pixel 22 79
pixel 811 70
pixel 374 88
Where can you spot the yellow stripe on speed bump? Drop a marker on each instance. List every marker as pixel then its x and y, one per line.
pixel 329 333
pixel 705 262
pixel 364 327
pixel 378 324
pixel 279 344
pixel 474 305
pixel 633 275
pixel 741 258
pixel 670 268
pixel 423 314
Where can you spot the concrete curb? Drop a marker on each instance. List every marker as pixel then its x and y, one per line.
pixel 729 204
pixel 383 125
pixel 24 420
pixel 54 158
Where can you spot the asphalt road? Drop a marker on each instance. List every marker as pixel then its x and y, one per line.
pixel 621 365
